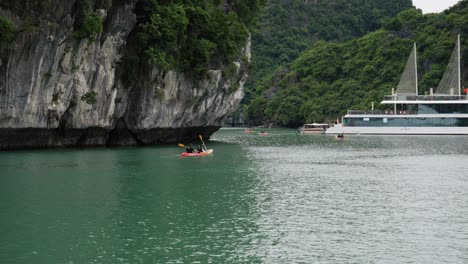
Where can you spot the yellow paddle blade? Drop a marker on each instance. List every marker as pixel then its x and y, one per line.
pixel 201 138
pixel 181 145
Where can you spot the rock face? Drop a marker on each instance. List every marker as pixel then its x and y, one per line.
pixel 46 76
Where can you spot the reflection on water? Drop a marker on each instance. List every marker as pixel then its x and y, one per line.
pixel 281 198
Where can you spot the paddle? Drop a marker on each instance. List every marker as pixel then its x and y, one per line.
pixel 201 138
pixel 181 145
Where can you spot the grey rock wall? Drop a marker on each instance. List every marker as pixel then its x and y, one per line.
pixel 45 73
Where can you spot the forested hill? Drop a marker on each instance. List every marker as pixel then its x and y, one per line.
pixel 330 78
pixel 288 27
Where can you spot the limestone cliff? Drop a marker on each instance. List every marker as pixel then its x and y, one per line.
pixel 57 91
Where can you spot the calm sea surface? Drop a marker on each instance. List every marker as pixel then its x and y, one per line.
pixel 281 198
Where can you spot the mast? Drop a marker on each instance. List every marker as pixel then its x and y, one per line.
pixel 459 66
pixel 416 67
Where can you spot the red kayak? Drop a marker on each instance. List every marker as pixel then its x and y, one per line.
pixel 197 154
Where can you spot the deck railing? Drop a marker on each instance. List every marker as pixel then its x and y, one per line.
pixel 425 97
pixel 379 112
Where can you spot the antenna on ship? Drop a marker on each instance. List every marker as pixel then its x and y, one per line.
pixel 459 66
pixel 416 67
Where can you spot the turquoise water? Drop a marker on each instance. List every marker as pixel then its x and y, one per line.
pixel 281 198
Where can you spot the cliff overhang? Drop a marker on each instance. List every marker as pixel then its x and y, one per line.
pixel 64 86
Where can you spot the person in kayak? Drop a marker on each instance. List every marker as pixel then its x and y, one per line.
pixel 189 148
pixel 200 148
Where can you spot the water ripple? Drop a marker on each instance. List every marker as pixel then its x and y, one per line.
pixel 281 198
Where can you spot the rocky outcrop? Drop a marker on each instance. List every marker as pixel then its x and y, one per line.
pixel 56 91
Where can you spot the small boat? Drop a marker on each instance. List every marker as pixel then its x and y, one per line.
pixel 313 128
pixel 197 154
pixel 248 131
pixel 263 133
pixel 339 138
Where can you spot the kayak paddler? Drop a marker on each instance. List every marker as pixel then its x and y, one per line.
pixel 200 148
pixel 189 148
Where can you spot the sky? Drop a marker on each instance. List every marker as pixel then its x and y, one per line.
pixel 434 6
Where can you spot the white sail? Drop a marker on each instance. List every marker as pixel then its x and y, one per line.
pixel 409 79
pixel 450 83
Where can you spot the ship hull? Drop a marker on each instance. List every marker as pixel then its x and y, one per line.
pixel 397 130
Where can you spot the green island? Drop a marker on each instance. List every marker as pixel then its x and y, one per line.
pixel 333 76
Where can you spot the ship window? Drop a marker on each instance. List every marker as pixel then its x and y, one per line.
pixel 366 119
pixel 385 120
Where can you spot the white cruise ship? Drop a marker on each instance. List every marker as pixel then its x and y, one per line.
pixel 441 112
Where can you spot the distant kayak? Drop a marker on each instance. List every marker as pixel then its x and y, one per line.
pixel 197 154
pixel 340 137
pixel 263 133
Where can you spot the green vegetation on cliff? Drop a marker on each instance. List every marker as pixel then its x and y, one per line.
pixel 330 78
pixel 32 13
pixel 88 21
pixel 30 8
pixel 194 35
pixel 7 31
